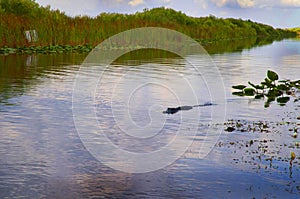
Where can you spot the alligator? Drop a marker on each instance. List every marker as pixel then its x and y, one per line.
pixel 185 108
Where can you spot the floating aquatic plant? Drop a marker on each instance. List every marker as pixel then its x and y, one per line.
pixel 46 49
pixel 270 88
pixel 293 156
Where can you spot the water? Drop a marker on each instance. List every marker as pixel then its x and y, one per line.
pixel 42 155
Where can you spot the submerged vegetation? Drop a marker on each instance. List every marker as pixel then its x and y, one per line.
pixel 260 145
pixel 271 88
pixel 24 23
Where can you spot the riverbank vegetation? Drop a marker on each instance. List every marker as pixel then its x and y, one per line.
pixel 24 23
pixel 297 30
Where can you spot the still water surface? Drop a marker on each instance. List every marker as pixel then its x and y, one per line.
pixel 42 155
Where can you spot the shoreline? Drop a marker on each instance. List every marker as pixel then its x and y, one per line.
pixel 85 48
pixel 51 49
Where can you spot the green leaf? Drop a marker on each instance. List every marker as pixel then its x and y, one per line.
pixel 249 92
pixel 239 87
pixel 267 83
pixel 282 87
pixel 259 96
pixel 274 93
pixel 295 84
pixel 283 100
pixel 238 94
pixel 272 75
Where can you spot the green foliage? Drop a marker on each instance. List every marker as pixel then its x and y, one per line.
pixel 281 91
pixel 55 28
pixel 19 7
pixel 249 92
pixel 296 30
pixel 272 75
pixel 256 86
pixel 239 87
pixel 47 49
pixel 283 100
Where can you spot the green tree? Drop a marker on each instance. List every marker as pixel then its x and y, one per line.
pixel 19 7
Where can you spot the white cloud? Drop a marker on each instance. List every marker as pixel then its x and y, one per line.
pixel 246 3
pixel 293 3
pixel 240 3
pixel 221 3
pixel 136 2
pixel 201 3
pixel 256 3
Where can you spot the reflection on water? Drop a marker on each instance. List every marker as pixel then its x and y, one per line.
pixel 43 157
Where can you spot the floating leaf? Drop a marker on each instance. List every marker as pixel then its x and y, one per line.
pixel 238 93
pixel 230 129
pixel 295 84
pixel 272 75
pixel 282 87
pixel 283 100
pixel 259 96
pixel 249 91
pixel 239 87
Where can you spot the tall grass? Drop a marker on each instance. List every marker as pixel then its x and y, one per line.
pixel 55 28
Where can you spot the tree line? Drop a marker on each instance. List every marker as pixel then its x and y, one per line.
pixel 54 27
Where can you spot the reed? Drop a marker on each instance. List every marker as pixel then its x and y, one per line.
pixel 54 28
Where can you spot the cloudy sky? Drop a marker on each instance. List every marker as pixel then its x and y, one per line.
pixel 278 13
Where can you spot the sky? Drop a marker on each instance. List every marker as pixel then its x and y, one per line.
pixel 277 13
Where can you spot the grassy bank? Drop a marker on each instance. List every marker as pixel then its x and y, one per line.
pixel 24 23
